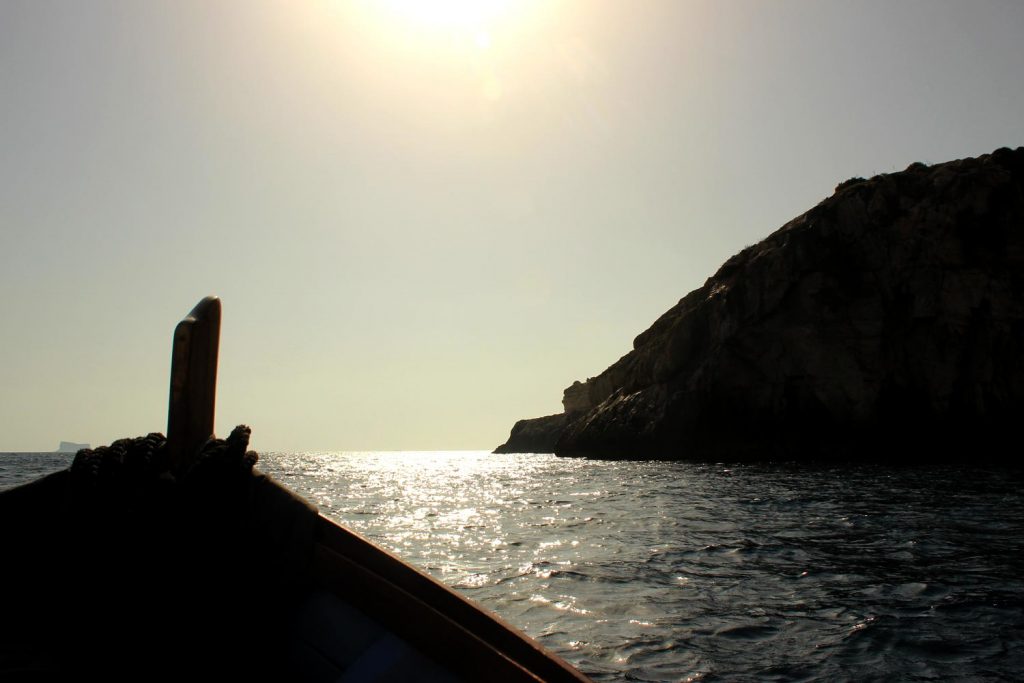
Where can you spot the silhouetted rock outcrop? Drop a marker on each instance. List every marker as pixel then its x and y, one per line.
pixel 887 322
pixel 537 435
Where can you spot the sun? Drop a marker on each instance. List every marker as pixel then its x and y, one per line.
pixel 478 24
pixel 482 45
pixel 474 15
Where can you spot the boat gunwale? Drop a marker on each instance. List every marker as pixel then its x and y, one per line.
pixel 455 625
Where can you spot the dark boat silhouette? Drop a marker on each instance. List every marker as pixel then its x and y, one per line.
pixel 172 558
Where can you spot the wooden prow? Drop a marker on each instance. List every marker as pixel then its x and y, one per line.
pixel 193 393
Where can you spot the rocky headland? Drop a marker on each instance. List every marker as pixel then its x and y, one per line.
pixel 887 323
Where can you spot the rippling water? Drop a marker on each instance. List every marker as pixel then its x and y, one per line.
pixel 677 571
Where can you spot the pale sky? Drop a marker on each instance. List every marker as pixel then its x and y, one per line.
pixel 425 219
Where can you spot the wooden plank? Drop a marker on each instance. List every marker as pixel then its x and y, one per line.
pixel 193 390
pixel 446 624
pixel 439 638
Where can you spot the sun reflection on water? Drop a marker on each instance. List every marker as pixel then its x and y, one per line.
pixel 666 571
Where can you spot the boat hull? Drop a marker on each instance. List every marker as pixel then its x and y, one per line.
pixel 259 583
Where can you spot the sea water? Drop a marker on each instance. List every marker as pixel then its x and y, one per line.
pixel 654 571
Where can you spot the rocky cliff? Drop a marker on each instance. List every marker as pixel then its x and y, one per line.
pixel 888 321
pixel 536 435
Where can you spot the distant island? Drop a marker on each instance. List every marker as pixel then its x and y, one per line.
pixel 71 447
pixel 885 323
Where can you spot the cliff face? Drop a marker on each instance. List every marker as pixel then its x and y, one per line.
pixel 537 435
pixel 886 321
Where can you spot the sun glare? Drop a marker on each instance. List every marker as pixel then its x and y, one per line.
pixel 474 15
pixel 483 44
pixel 482 25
